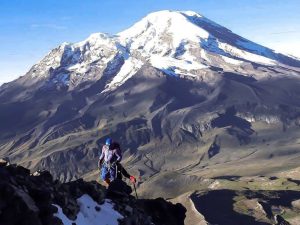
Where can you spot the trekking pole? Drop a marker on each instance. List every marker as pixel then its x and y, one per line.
pixel 135 191
pixel 116 173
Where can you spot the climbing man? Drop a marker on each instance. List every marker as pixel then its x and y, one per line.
pixel 110 155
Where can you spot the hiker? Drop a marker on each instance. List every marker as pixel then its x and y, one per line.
pixel 110 155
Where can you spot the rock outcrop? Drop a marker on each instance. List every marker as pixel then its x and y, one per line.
pixel 27 199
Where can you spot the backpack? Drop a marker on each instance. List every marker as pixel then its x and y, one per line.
pixel 116 145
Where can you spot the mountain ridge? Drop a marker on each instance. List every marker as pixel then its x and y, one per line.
pixel 37 198
pixel 156 39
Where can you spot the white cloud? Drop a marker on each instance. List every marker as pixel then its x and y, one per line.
pixel 48 26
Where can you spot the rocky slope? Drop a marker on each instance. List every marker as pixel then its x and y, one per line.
pixel 186 98
pixel 38 199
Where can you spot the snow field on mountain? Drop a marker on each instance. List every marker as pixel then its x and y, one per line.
pixel 88 215
pixel 235 52
pixel 152 28
pixel 172 64
pixel 129 68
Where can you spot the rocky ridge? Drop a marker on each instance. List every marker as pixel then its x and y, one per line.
pixel 27 199
pixel 36 198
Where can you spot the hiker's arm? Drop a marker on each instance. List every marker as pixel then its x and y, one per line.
pixel 119 157
pixel 101 158
pixel 99 163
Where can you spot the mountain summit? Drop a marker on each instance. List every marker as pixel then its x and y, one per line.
pixel 177 43
pixel 170 32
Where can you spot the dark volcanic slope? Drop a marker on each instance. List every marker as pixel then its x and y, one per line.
pixel 150 108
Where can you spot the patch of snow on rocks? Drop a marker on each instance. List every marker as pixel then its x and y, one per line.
pixel 89 215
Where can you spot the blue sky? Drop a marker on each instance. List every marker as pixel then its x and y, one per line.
pixel 29 29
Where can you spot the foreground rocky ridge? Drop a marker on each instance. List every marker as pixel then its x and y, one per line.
pixel 27 199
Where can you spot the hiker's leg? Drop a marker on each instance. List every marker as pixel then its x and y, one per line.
pixel 112 173
pixel 104 172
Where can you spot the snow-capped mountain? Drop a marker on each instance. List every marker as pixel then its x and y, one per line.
pixel 190 37
pixel 177 43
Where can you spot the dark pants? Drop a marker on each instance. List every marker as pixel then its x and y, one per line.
pixel 108 172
